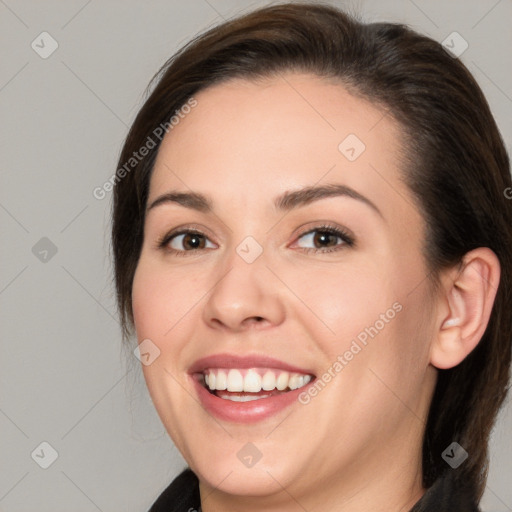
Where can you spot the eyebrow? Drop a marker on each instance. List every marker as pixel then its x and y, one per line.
pixel 287 201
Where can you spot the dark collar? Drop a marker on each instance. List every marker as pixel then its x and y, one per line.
pixel 182 495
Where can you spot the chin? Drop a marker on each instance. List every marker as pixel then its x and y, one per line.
pixel 259 480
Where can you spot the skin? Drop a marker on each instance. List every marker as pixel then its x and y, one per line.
pixel 357 444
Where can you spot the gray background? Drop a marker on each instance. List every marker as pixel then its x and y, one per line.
pixel 64 378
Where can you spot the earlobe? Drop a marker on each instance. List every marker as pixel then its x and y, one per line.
pixel 468 298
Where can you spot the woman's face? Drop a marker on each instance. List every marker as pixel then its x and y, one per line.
pixel 331 285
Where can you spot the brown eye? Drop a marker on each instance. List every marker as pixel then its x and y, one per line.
pixel 185 241
pixel 327 238
pixel 192 241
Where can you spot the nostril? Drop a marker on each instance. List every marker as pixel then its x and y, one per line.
pixel 254 319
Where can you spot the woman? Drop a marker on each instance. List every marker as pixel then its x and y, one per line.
pixel 363 374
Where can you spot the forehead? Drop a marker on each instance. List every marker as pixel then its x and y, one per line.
pixel 258 138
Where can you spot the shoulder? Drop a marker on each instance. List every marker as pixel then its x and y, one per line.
pixel 181 495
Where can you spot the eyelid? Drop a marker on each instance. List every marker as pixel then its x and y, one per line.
pixel 183 229
pixel 346 234
pixel 343 233
pixel 193 227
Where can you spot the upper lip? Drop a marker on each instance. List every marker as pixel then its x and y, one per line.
pixel 248 361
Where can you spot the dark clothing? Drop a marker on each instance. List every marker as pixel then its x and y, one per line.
pixel 182 495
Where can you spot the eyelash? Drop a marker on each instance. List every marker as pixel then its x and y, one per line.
pixel 347 239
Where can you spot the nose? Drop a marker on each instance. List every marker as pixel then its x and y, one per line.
pixel 246 295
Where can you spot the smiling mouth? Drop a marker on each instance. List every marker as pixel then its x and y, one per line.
pixel 244 385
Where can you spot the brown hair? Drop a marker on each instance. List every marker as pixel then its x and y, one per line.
pixel 457 169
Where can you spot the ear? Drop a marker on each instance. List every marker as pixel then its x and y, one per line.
pixel 466 304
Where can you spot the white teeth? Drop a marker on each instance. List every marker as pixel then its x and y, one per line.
pixel 293 382
pixel 235 380
pixel 282 381
pixel 269 381
pixel 211 381
pixel 253 382
pixel 243 398
pixel 221 382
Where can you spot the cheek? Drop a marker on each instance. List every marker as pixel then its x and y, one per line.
pixel 160 299
pixel 370 315
pixel 166 303
pixel 345 301
pixel 147 301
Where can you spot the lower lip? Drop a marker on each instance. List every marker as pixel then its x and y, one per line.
pixel 245 412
